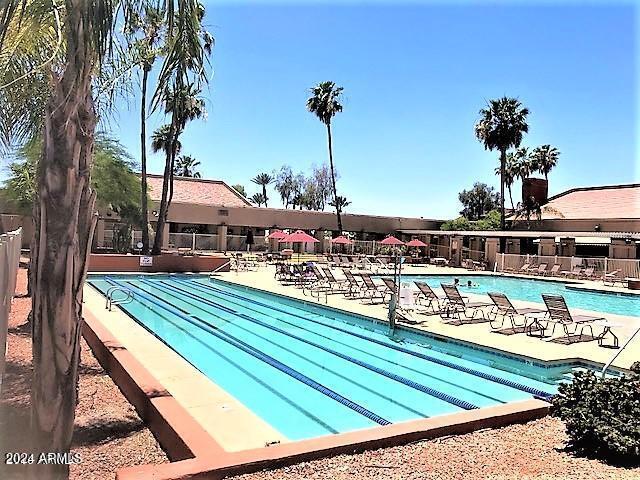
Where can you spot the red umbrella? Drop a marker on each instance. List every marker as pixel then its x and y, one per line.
pixel 277 234
pixel 341 240
pixel 298 237
pixel 416 243
pixel 391 240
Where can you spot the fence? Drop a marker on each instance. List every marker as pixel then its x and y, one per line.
pixel 9 261
pixel 601 265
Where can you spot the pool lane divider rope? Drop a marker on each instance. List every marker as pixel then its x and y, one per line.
pixel 536 392
pixel 332 339
pixel 398 378
pixel 239 344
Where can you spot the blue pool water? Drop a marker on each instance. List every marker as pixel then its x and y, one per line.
pixel 531 290
pixel 309 370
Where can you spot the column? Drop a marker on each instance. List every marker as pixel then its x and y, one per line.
pixel 222 238
pixel 621 248
pixel 165 236
pixel 513 246
pixel 99 233
pixel 319 247
pixel 456 250
pixel 547 247
pixel 567 247
pixel 491 247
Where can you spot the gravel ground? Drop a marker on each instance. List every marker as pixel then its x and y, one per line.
pixel 534 450
pixel 108 432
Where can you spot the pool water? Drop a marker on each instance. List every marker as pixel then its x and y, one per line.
pixel 531 290
pixel 308 370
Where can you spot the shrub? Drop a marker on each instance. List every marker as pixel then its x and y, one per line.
pixel 602 416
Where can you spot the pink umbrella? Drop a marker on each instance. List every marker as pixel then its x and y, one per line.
pixel 298 237
pixel 277 234
pixel 341 240
pixel 391 240
pixel 416 243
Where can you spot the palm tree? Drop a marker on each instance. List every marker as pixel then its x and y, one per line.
pixel 325 103
pixel 510 175
pixel 258 199
pixel 523 165
pixel 544 158
pixel 240 189
pixel 150 24
pixel 501 127
pixel 64 211
pixel 161 141
pixel 340 202
pixel 182 101
pixel 263 179
pixel 185 167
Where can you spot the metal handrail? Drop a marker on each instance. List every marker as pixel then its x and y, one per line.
pixel 608 364
pixel 218 268
pixel 111 300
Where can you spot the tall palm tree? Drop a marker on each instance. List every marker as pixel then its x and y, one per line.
pixel 263 179
pixel 510 175
pixel 185 167
pixel 325 103
pixel 544 158
pixel 161 141
pixel 183 103
pixel 64 211
pixel 501 126
pixel 147 48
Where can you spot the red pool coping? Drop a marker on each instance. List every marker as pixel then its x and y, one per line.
pixel 194 454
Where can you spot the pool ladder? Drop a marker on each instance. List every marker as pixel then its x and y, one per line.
pixel 113 300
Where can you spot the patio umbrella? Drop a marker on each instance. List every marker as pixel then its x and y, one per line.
pixel 391 240
pixel 416 243
pixel 277 234
pixel 341 240
pixel 298 237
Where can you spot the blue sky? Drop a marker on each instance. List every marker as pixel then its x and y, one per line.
pixel 415 77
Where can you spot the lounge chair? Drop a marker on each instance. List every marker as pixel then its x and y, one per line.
pixel 542 268
pixel 383 264
pixel 323 285
pixel 522 269
pixel 456 305
pixel 503 309
pixel 574 272
pixel 407 306
pixel 588 274
pixel 612 278
pixel 433 301
pixel 372 291
pixel 555 269
pixel 355 288
pixel 559 314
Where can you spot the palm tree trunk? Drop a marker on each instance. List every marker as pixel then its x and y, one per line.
pixel 503 163
pixel 264 192
pixel 63 233
pixel 167 183
pixel 511 198
pixel 143 157
pixel 333 179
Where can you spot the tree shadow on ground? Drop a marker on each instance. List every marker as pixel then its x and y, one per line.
pixel 105 429
pixel 608 459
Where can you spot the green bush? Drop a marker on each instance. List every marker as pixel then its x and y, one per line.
pixel 602 416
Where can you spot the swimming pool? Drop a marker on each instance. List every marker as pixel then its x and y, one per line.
pixel 308 370
pixel 531 290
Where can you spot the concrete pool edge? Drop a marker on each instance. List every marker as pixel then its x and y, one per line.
pixel 194 453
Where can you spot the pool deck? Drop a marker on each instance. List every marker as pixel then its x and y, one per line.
pixel 205 431
pixel 479 333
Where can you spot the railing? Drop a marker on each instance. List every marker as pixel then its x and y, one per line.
pixel 601 265
pixel 206 242
pixel 475 255
pixel 10 244
pixel 181 240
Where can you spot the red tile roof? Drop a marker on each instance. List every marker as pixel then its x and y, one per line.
pixel 611 201
pixel 197 191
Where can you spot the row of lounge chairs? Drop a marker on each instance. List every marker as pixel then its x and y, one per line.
pixel 318 281
pixel 577 272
